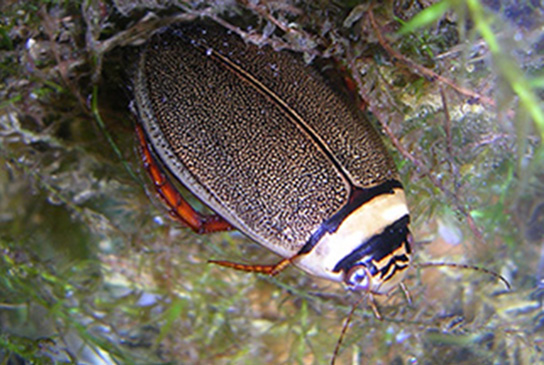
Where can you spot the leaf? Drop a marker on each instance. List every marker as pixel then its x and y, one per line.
pixel 426 17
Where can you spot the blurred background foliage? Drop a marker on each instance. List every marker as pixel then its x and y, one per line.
pixel 93 271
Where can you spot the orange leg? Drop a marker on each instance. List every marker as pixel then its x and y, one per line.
pixel 271 270
pixel 184 212
pixel 179 208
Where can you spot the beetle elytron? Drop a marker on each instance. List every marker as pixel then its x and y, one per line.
pixel 279 153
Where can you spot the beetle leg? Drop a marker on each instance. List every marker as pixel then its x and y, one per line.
pixel 374 306
pixel 406 292
pixel 271 270
pixel 179 208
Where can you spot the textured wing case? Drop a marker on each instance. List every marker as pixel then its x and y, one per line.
pixel 256 134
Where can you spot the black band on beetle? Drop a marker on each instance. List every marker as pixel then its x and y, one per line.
pixel 358 197
pixel 378 246
pixel 399 263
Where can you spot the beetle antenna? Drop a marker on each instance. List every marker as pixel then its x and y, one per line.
pixel 467 267
pixel 344 330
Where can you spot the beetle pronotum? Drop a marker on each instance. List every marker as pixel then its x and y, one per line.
pixel 269 145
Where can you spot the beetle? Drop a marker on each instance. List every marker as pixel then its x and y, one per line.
pixel 276 150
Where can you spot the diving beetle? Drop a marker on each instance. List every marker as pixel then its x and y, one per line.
pixel 276 150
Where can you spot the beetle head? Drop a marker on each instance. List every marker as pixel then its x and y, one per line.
pixel 369 250
pixel 381 263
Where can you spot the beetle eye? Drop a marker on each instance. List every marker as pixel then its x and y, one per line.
pixel 357 278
